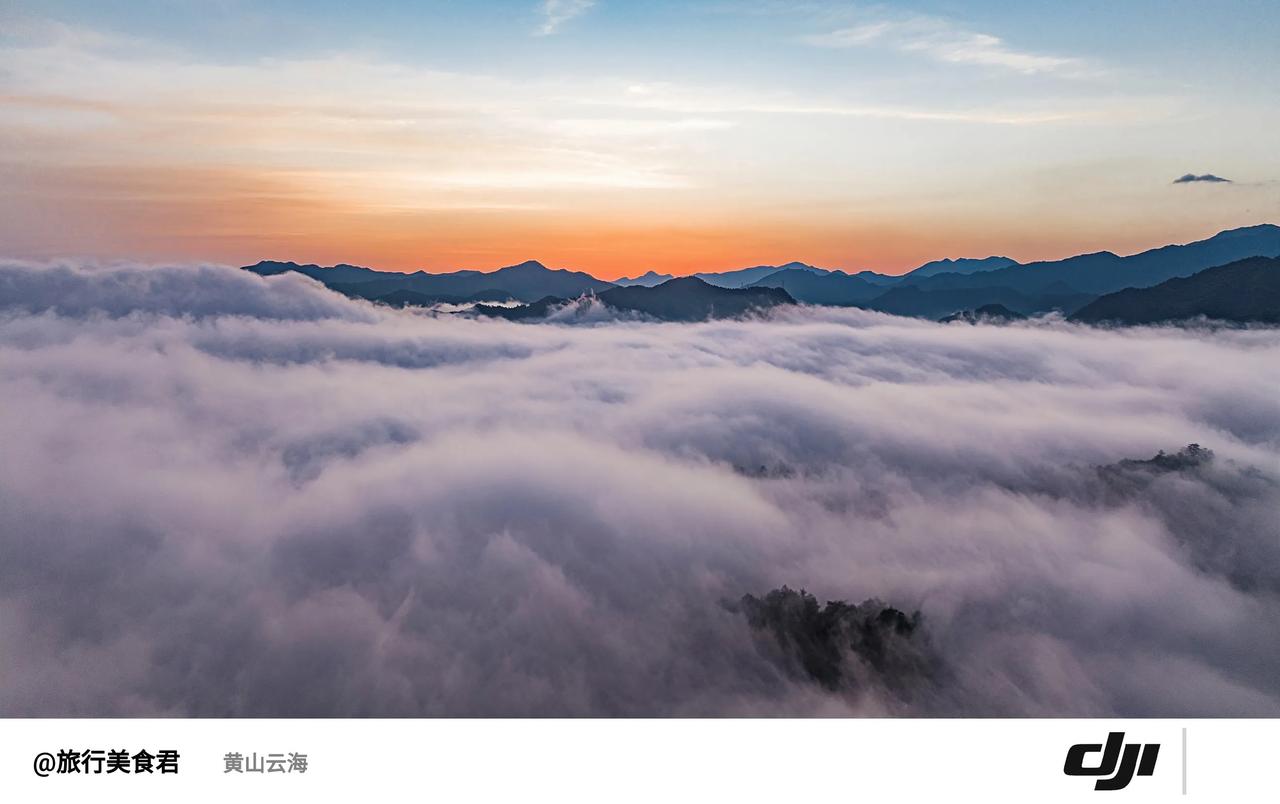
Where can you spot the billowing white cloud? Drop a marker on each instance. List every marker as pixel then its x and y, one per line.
pixel 229 495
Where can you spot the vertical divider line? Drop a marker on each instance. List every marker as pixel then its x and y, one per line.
pixel 1184 760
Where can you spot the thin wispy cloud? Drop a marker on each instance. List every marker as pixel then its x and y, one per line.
pixel 407 136
pixel 943 40
pixel 708 100
pixel 557 12
pixel 1191 178
pixel 437 151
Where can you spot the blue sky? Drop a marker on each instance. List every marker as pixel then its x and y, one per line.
pixel 618 136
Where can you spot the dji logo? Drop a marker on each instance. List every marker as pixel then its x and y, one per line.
pixel 1117 767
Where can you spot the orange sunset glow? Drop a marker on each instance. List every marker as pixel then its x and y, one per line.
pixel 126 145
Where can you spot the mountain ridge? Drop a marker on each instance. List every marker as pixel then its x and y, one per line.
pixel 1102 272
pixel 930 291
pixel 1241 292
pixel 685 298
pixel 962 265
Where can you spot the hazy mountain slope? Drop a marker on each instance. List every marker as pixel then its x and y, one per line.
pixel 914 301
pixel 1104 272
pixel 328 275
pixel 963 265
pixel 835 288
pixel 987 313
pixel 683 299
pixel 533 280
pixel 412 298
pixel 648 279
pixel 691 299
pixel 1243 291
pixel 884 280
pixel 528 281
pixel 747 276
pixel 534 310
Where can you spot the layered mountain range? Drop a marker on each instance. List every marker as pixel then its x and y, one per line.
pixel 1075 286
pixel 1242 291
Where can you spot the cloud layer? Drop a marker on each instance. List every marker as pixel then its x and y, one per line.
pixel 231 495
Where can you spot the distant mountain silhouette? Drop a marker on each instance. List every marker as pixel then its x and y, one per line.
pixel 877 279
pixel 534 310
pixel 683 299
pixel 934 290
pixel 491 295
pixel 746 276
pixel 329 275
pixel 834 287
pixel 964 265
pixel 911 300
pixel 412 298
pixel 1104 272
pixel 647 279
pixel 689 298
pixel 1243 291
pixel 960 266
pixel 527 282
pixel 993 313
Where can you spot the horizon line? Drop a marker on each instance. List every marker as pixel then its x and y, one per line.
pixel 673 274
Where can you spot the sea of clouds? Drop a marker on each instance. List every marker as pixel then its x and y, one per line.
pixel 222 494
